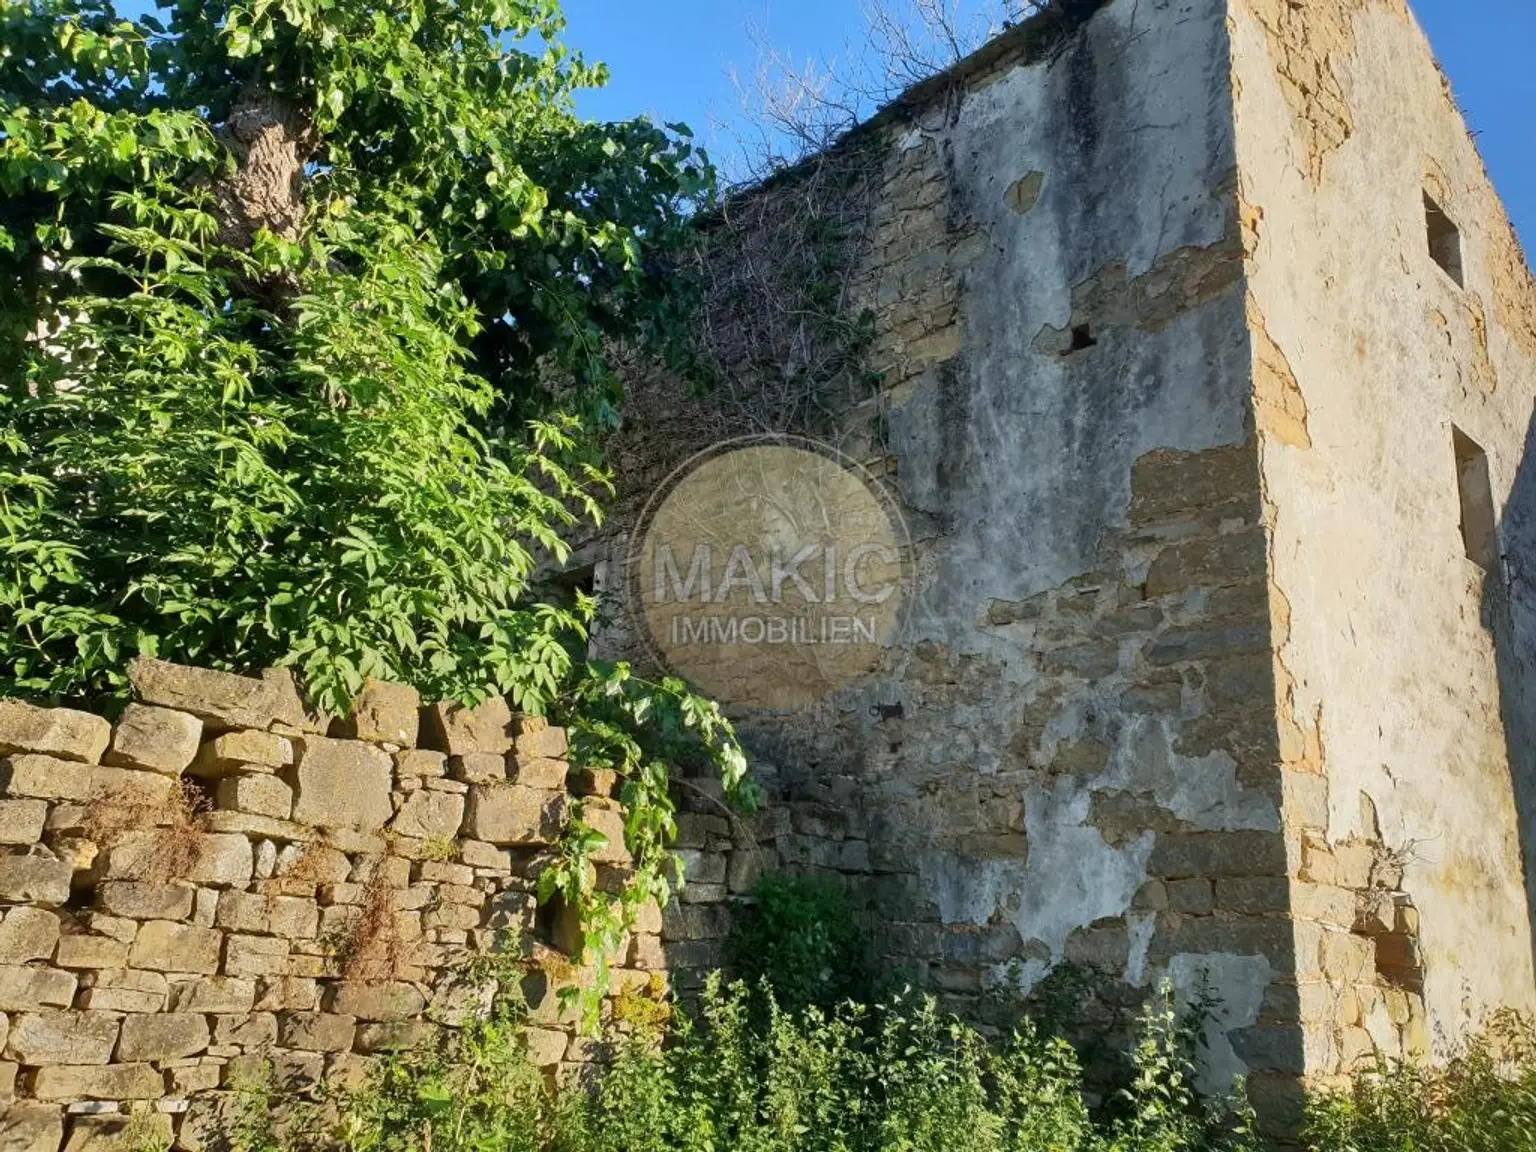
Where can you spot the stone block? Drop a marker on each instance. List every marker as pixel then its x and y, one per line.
pixel 221 699
pixel 704 830
pixel 22 821
pixel 647 952
pixel 648 918
pixel 458 731
pixel 478 768
pixel 213 994
pixel 421 763
pixel 113 927
pixel 1354 862
pixel 1347 958
pixel 342 784
pixel 49 778
pixel 384 713
pixel 1206 561
pixel 444 872
pixel 347 1071
pixel 251 1031
pixel 117 1132
pixel 1399 957
pixel 154 739
pixel 538 771
pixel 184 1080
pixel 508 814
pixel 243 751
pixel 122 990
pixel 28 934
pixel 695 922
pixel 241 911
pixel 702 893
pixel 34 880
pixel 429 816
pixel 292 917
pixel 370 1001
pixel 61 732
pixel 31 1127
pixel 393 1036
pixel 258 794
pixel 91 952
pixel 702 867
pixel 166 1036
pixel 333 895
pixel 317 1031
pixel 106 1082
pixel 62 1038
pixel 485 857
pixel 209 1119
pixel 140 901
pixel 1253 895
pixel 542 743
pixel 593 781
pixel 255 956
pixel 287 994
pixel 1213 854
pixel 1271 1048
pixel 1322 902
pixel 546 1047
pixel 220 859
pixel 162 946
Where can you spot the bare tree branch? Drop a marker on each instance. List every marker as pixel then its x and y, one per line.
pixel 793 109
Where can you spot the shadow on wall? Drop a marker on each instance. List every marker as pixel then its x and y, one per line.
pixel 1509 614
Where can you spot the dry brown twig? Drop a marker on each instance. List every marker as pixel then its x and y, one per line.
pixel 175 845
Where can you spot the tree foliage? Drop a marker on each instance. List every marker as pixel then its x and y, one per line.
pixel 303 306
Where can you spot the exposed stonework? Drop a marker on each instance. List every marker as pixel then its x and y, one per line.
pixel 1402 710
pixel 1309 45
pixel 319 909
pixel 1167 369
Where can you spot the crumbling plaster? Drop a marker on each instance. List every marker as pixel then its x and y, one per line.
pixel 1078 705
pixel 1385 624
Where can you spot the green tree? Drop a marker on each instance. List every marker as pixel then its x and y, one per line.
pixel 303 306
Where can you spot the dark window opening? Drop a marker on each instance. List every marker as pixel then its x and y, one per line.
pixel 1474 482
pixel 1444 239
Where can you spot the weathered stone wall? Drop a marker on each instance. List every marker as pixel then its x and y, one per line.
pixel 1401 664
pixel 1072 757
pixel 1200 678
pixel 221 881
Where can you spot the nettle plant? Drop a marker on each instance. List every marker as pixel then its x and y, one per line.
pixel 303 310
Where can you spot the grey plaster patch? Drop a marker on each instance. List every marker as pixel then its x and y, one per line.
pixel 1241 982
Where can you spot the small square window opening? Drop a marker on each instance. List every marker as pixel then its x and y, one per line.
pixel 1444 239
pixel 1479 521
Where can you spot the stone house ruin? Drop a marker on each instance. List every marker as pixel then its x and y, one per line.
pixel 1201 356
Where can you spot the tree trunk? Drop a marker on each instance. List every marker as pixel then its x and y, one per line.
pixel 271 142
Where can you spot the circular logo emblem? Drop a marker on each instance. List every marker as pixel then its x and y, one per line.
pixel 770 571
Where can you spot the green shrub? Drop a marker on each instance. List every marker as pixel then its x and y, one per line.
pixel 801 941
pixel 893 1077
pixel 1484 1100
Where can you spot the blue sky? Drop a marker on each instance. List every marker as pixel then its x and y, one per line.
pixel 671 59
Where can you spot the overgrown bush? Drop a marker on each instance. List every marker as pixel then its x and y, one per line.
pixel 893 1077
pixel 800 940
pixel 1483 1100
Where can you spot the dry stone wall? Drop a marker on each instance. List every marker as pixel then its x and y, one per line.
pixel 222 882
